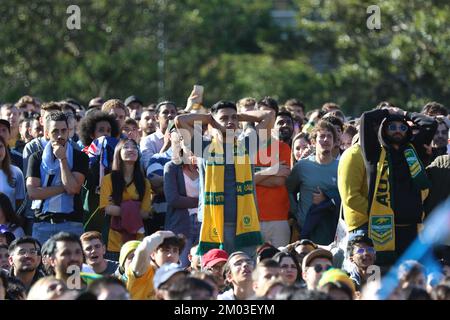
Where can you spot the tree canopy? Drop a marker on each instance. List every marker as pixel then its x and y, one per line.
pixel 158 49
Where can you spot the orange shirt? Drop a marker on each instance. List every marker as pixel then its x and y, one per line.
pixel 273 202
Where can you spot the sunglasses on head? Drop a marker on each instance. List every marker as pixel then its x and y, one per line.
pixel 394 127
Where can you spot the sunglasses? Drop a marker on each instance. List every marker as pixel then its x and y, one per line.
pixel 394 127
pixel 318 268
pixel 369 250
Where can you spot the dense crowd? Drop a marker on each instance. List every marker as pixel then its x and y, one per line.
pixel 234 201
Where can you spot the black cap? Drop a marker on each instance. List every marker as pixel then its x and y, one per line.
pixel 131 99
pixel 10 237
pixel 96 102
pixel 6 124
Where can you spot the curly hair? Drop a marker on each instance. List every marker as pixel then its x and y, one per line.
pixel 87 126
pixel 113 104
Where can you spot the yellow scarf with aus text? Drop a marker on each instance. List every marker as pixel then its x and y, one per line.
pixel 381 215
pixel 247 224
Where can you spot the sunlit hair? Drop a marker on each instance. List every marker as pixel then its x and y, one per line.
pixel 113 104
pixel 323 125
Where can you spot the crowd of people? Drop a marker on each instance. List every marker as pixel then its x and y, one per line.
pixel 239 200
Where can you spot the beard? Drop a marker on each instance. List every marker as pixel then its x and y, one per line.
pixel 285 135
pixel 440 142
pixel 26 269
pixel 396 139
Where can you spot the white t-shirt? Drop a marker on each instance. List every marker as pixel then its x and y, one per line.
pixel 151 145
pixel 15 192
pixel 192 190
pixel 227 295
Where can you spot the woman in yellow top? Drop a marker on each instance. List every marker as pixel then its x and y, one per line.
pixel 125 182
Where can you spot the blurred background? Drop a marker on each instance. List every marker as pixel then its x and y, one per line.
pixel 312 50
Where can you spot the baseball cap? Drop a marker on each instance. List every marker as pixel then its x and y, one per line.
pixel 4 230
pixel 214 256
pixel 266 251
pixel 126 249
pixel 317 253
pixel 131 99
pixel 6 124
pixel 165 272
pixel 96 103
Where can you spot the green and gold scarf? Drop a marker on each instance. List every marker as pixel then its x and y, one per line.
pixel 247 224
pixel 381 215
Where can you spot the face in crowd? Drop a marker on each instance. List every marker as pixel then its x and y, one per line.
pixel 4 132
pixel 135 110
pixel 58 132
pixel 94 251
pixel 227 118
pixel 129 152
pixel 102 128
pixel 297 113
pixel 216 271
pixel 148 123
pixel 67 253
pixel 113 292
pixel 4 258
pixel 241 268
pixel 12 115
pixel 300 146
pixel 289 271
pixel 285 126
pixel 440 139
pixel 25 257
pixel 166 254
pixel 363 255
pixel 264 275
pixel 194 259
pixel 346 141
pixel 2 152
pixel 396 131
pixel 131 132
pixel 120 115
pixel 324 142
pixel 314 272
pixel 166 113
pixel 25 131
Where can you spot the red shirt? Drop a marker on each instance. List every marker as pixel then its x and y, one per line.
pixel 273 202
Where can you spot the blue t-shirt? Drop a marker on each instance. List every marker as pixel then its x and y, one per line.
pixel 304 179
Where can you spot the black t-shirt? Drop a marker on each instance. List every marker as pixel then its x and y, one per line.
pixel 80 165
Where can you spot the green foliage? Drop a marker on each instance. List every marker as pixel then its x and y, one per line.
pixel 232 47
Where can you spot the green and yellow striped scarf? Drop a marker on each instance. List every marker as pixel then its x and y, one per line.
pixel 247 224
